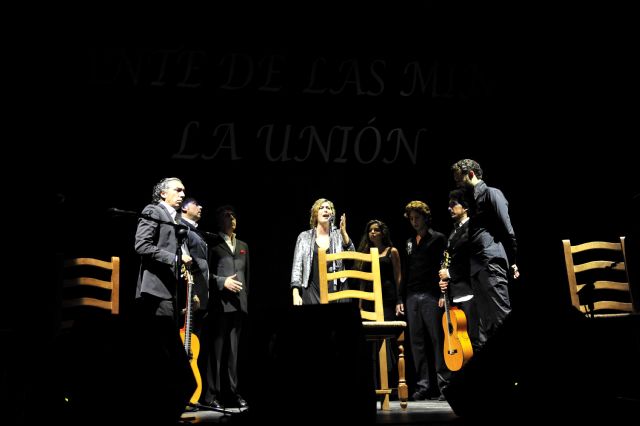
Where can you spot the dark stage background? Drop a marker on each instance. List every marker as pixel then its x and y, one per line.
pixel 269 108
pixel 366 107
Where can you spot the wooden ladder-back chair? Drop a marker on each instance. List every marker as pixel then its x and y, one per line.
pixel 376 329
pixel 92 283
pixel 599 284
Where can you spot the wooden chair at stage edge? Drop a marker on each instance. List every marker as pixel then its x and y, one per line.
pixel 376 329
pixel 598 288
pixel 89 284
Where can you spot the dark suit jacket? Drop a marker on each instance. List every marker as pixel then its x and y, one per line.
pixel 223 264
pixel 199 251
pixel 492 238
pixel 156 243
pixel 459 267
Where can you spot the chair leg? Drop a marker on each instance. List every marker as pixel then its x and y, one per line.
pixel 384 374
pixel 403 390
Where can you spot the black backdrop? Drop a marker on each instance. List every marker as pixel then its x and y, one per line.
pixel 129 100
pixel 543 99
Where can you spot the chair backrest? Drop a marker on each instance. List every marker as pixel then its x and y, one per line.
pixel 597 276
pixel 374 295
pixel 92 283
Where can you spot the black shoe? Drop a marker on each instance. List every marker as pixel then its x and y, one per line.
pixel 241 402
pixel 419 396
pixel 213 405
pixel 437 397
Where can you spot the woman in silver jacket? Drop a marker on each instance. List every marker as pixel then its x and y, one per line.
pixel 323 234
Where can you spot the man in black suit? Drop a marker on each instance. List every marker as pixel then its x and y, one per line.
pixel 157 245
pixel 493 247
pixel 456 278
pixel 229 288
pixel 163 368
pixel 199 251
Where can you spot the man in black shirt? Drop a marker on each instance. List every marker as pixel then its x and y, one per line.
pixel 419 287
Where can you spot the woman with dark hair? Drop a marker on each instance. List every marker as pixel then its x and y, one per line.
pixel 376 234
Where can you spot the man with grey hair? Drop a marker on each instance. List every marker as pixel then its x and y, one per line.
pixel 157 244
pixel 162 365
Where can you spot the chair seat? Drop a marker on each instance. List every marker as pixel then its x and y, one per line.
pixel 378 329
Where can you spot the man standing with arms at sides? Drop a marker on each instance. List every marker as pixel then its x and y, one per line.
pixel 493 247
pixel 419 287
pixel 228 308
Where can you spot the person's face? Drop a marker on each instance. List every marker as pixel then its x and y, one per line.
pixel 229 221
pixel 456 211
pixel 375 233
pixel 324 212
pixel 193 211
pixel 174 194
pixel 462 179
pixel 417 221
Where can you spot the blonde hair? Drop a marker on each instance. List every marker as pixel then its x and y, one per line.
pixel 313 218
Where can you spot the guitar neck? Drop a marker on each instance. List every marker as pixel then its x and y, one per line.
pixel 188 314
pixel 446 259
pixel 446 306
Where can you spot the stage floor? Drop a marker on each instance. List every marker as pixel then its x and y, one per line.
pixel 418 412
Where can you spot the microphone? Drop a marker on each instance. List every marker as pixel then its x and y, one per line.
pixel 179 226
pixel 211 235
pixel 119 212
pixel 332 220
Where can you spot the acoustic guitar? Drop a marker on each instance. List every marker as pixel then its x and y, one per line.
pixel 190 340
pixel 457 345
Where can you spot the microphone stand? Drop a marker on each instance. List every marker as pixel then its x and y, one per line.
pixel 180 231
pixel 333 250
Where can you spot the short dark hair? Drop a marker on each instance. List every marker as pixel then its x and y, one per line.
pixel 188 201
pixel 220 213
pixel 458 195
pixel 467 165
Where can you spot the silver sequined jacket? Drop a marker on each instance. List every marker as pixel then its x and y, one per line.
pixel 303 255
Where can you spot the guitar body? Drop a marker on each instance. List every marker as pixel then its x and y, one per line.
pixel 193 362
pixel 190 341
pixel 457 345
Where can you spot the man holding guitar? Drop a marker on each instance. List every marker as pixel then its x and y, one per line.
pixel 197 295
pixel 454 277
